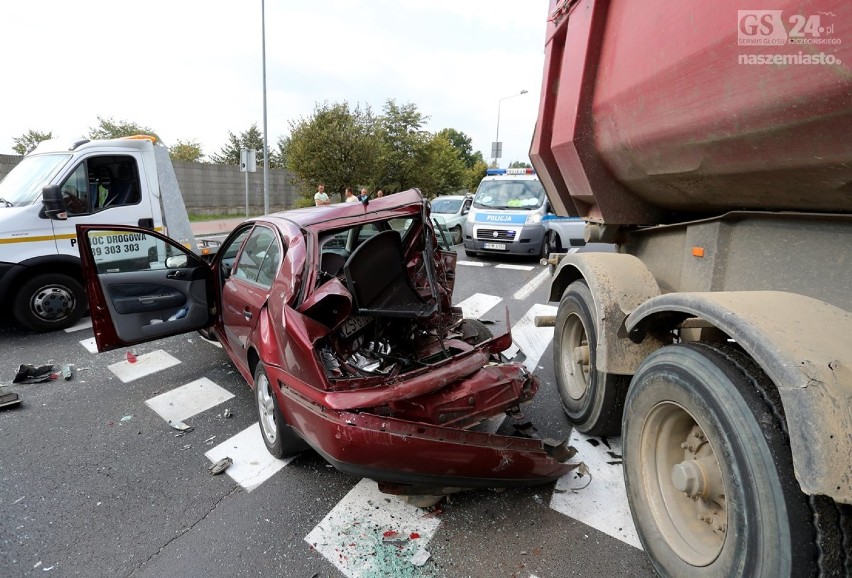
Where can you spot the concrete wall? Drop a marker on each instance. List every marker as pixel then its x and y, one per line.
pixel 219 189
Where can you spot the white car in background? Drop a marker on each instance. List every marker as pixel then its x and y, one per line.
pixel 449 213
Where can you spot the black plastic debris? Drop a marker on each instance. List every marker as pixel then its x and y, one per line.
pixel 9 399
pixel 28 373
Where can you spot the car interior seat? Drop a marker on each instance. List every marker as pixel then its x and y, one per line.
pixel 376 276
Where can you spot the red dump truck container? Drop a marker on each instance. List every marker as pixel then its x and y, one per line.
pixel 654 110
pixel 711 142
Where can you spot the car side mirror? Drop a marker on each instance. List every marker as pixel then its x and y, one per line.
pixel 54 206
pixel 176 262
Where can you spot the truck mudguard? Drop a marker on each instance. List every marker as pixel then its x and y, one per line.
pixel 803 346
pixel 619 283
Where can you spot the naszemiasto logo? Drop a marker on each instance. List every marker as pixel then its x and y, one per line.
pixel 760 28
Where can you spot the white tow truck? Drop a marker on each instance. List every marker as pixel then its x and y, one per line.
pixel 60 184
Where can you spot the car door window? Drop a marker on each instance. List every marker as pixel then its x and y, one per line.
pixel 260 245
pixel 75 192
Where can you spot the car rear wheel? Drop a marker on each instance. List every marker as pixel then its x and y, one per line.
pixel 49 301
pixel 279 438
pixel 592 399
pixel 709 471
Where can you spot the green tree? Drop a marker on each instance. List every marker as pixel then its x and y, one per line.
pixel 230 153
pixel 519 165
pixel 108 128
pixel 403 146
pixel 336 145
pixel 476 173
pixel 463 144
pixel 443 170
pixel 28 141
pixel 186 151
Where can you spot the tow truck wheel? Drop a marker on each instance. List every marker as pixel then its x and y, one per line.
pixel 280 439
pixel 49 301
pixel 592 399
pixel 708 468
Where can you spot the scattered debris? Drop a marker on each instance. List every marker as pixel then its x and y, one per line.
pixel 614 455
pixel 28 373
pixel 18 500
pixel 538 499
pixel 420 557
pixel 67 371
pixel 220 466
pixel 594 443
pixel 127 418
pixel 606 442
pixel 209 441
pixel 228 413
pixel 9 399
pixel 130 357
pixel 583 470
pixel 180 426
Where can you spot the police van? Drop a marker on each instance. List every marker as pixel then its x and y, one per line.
pixel 61 184
pixel 506 215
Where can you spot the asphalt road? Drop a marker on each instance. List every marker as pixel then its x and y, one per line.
pixel 94 482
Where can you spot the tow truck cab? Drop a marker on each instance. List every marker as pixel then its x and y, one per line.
pixel 62 184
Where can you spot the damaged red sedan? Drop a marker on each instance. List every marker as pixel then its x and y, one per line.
pixel 341 319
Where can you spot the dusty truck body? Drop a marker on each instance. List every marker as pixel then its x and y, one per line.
pixel 711 144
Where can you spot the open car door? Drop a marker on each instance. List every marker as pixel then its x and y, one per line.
pixel 143 286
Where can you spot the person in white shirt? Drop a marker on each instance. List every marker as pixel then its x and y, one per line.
pixel 321 198
pixel 350 196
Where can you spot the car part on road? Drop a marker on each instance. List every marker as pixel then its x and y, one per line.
pixel 220 466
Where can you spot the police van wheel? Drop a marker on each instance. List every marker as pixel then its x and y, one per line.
pixel 50 301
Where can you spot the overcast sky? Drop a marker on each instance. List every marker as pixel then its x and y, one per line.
pixel 192 69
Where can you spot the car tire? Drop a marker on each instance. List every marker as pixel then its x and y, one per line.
pixel 592 399
pixel 709 472
pixel 49 301
pixel 457 235
pixel 545 250
pixel 280 439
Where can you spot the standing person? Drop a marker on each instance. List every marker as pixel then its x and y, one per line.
pixel 350 196
pixel 320 197
pixel 380 193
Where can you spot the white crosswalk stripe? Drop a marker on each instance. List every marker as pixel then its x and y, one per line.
pixel 145 364
pixel 478 304
pixel 369 533
pixel 253 464
pixel 598 500
pixel 187 400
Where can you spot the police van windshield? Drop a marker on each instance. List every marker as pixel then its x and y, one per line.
pixel 506 194
pixel 22 186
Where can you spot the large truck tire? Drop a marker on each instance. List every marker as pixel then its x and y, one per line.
pixel 709 472
pixel 49 301
pixel 593 400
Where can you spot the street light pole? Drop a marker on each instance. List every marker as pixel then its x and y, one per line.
pixel 265 141
pixel 497 152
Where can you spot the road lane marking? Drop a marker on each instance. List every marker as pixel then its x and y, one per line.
pixel 514 267
pixel 145 364
pixel 253 464
pixel 532 285
pixel 473 264
pixel 187 400
pixel 530 339
pixel 84 323
pixel 369 533
pixel 602 504
pixel 477 304
pixel 90 344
